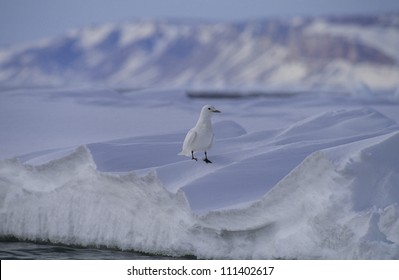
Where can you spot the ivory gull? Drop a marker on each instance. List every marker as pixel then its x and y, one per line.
pixel 200 137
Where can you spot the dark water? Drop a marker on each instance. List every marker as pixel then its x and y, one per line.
pixel 29 251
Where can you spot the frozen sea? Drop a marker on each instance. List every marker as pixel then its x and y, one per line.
pixel 94 173
pixel 20 250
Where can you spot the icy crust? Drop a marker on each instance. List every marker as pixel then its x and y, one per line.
pixel 323 208
pixel 338 203
pixel 68 201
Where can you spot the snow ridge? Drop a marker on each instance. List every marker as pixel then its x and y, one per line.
pixel 338 200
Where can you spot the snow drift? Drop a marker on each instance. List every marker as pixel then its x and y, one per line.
pixel 325 187
pixel 68 201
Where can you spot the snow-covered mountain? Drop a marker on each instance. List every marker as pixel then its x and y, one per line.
pixel 322 53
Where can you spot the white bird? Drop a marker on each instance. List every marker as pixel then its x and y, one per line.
pixel 200 137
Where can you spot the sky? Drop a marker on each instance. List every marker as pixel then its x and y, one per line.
pixel 29 20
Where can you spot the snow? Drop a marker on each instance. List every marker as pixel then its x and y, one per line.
pixel 381 37
pixel 306 176
pixel 292 73
pixel 133 33
pixel 91 37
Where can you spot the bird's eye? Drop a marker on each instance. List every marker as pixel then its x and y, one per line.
pixel 209 108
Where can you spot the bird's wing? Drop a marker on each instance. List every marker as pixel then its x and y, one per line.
pixel 211 143
pixel 188 142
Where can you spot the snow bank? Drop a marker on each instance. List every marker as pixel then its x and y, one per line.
pixel 344 208
pixel 68 201
pixel 325 187
pixel 248 166
pixel 338 124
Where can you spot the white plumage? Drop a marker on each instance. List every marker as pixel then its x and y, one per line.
pixel 200 137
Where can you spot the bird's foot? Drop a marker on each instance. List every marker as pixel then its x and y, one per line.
pixel 207 160
pixel 194 158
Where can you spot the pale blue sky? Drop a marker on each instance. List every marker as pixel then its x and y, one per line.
pixel 27 20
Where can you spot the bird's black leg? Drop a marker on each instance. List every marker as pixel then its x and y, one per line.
pixel 192 156
pixel 206 158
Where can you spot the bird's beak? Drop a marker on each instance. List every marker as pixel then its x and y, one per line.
pixel 216 111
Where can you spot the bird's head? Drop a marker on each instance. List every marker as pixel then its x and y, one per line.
pixel 209 110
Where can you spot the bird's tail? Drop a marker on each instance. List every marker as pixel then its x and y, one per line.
pixel 184 153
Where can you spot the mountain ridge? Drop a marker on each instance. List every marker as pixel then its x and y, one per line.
pixel 310 53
